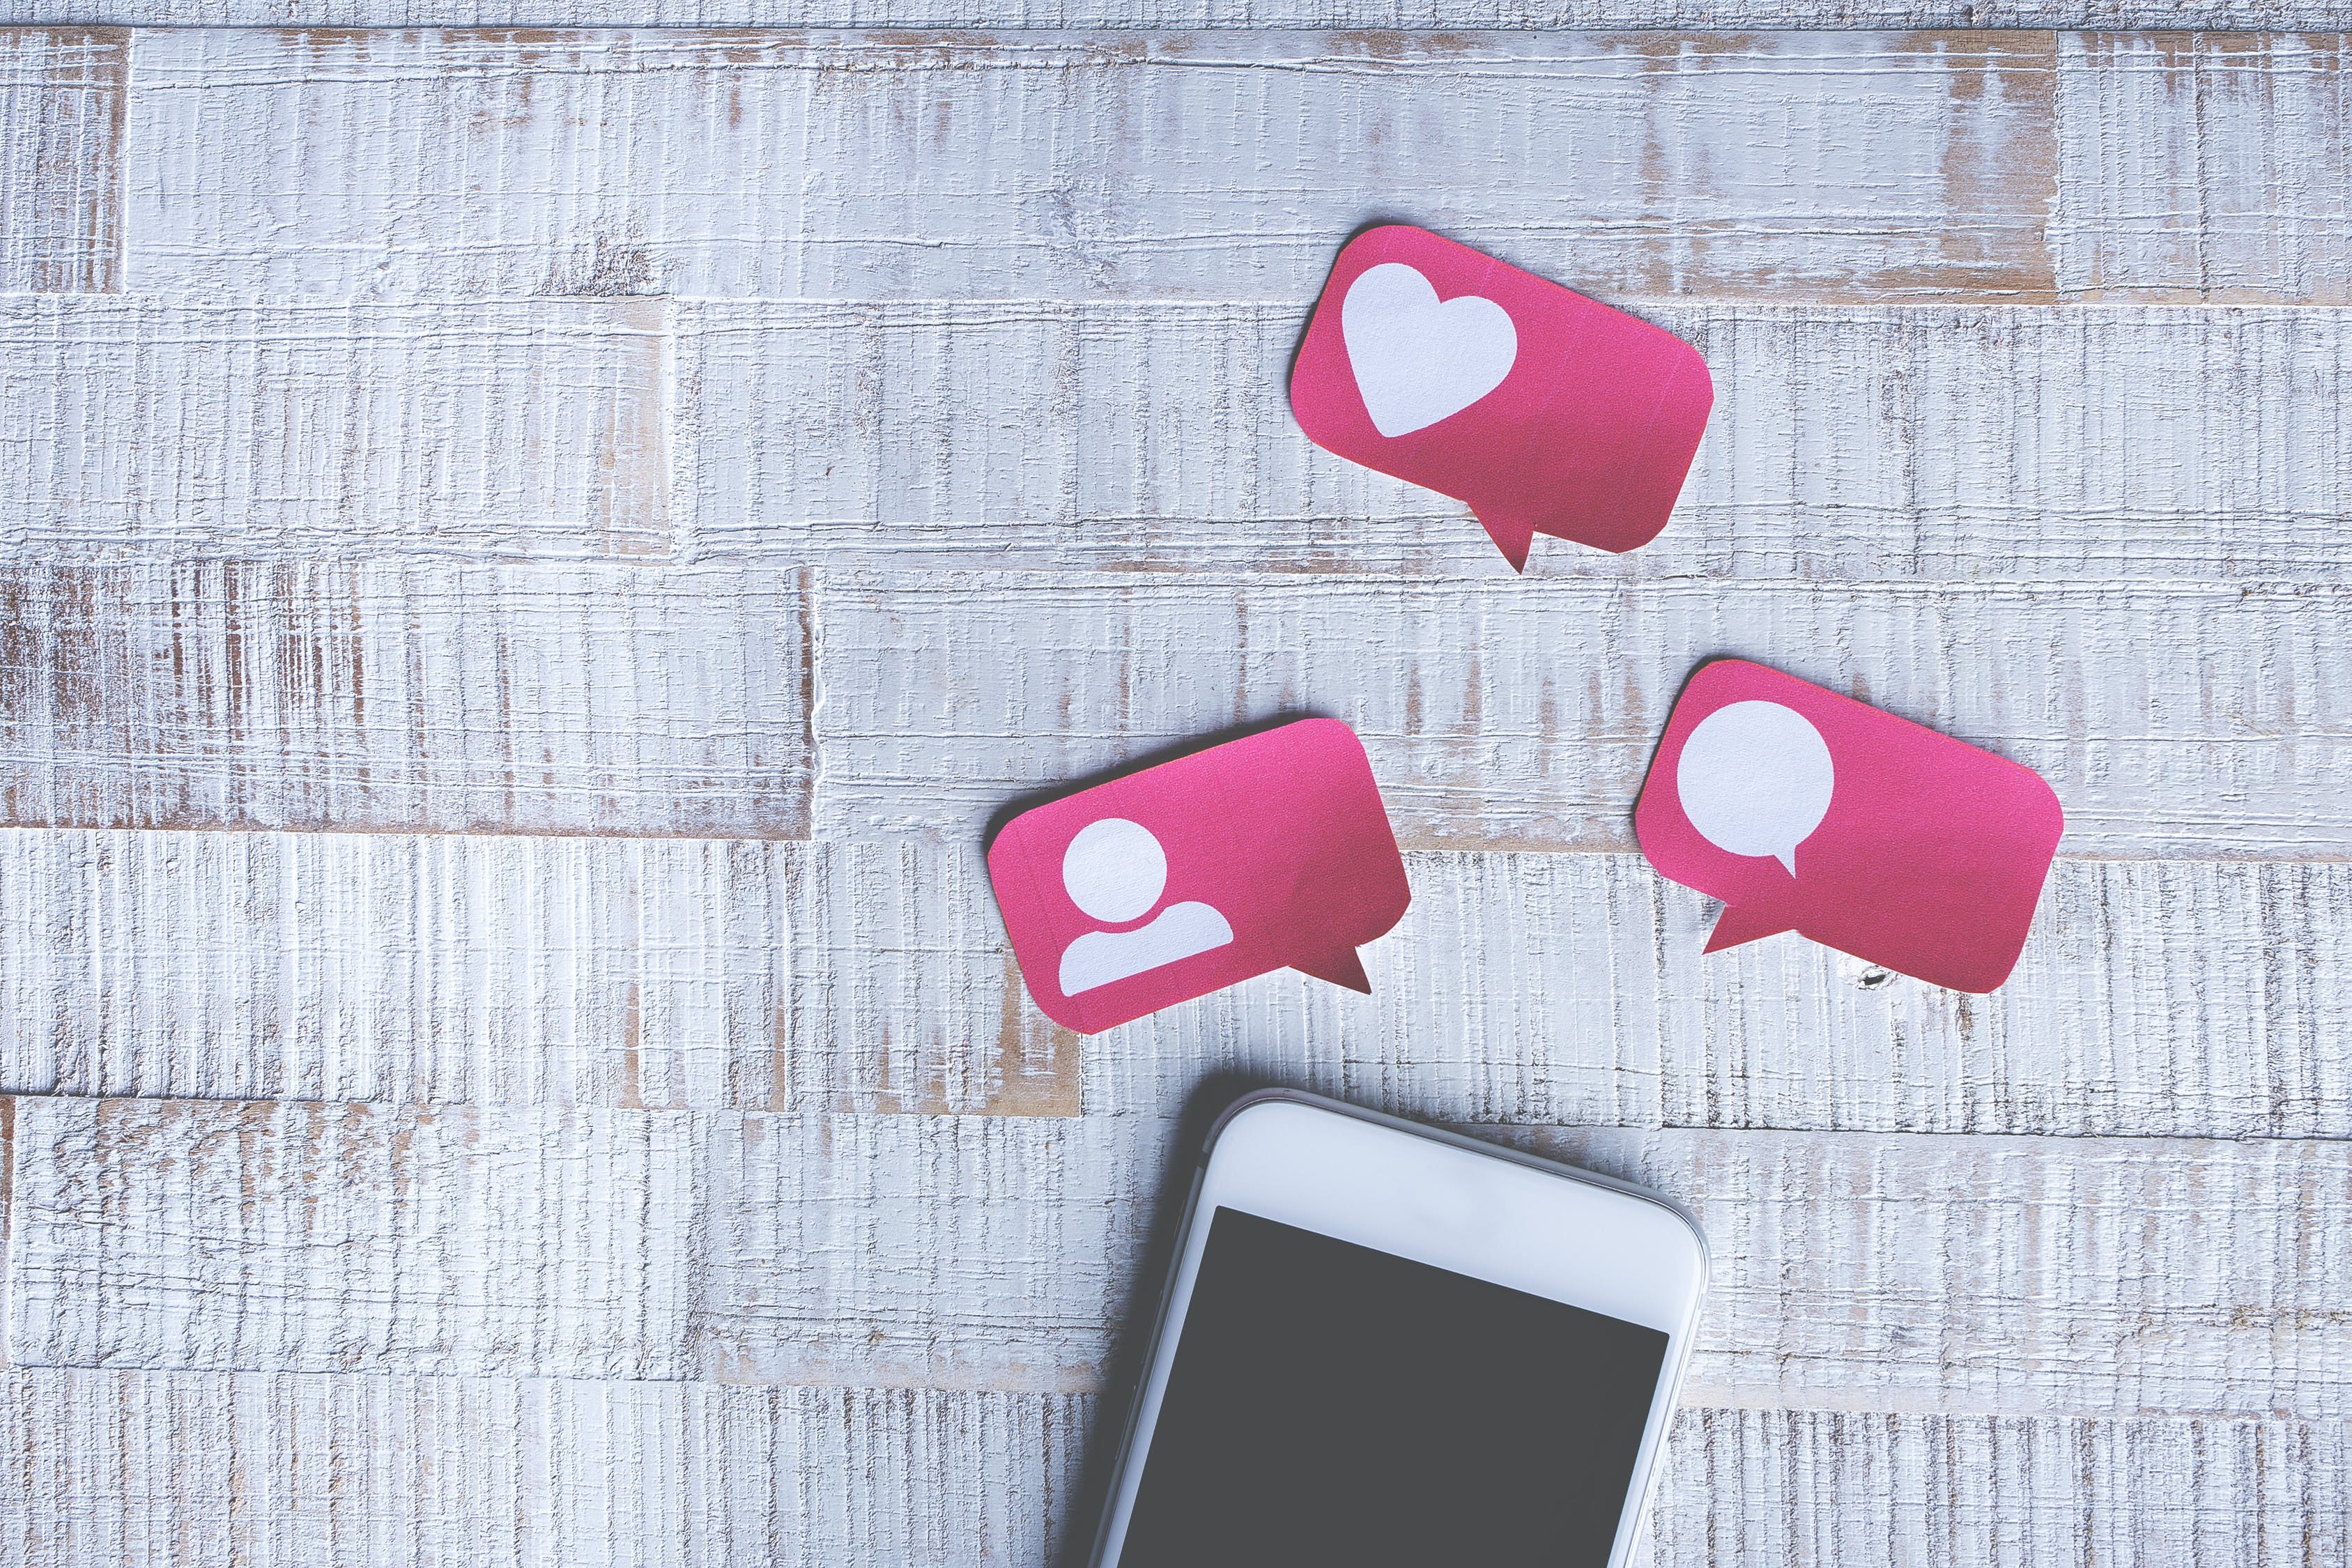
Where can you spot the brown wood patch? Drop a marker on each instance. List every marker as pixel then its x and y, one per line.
pixel 63 97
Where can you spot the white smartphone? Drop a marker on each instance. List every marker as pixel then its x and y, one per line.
pixel 1382 1343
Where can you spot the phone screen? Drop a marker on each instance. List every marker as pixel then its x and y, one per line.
pixel 1332 1404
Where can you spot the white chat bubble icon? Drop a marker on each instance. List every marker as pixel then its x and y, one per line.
pixel 1756 779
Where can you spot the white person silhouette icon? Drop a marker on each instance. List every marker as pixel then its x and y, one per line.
pixel 1115 871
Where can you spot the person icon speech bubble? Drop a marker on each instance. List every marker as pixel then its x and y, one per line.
pixel 1806 811
pixel 1269 852
pixel 1545 411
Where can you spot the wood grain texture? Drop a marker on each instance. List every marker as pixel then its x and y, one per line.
pixel 61 109
pixel 532 971
pixel 1854 1271
pixel 1223 164
pixel 1502 714
pixel 1854 443
pixel 2155 997
pixel 405 696
pixel 261 1470
pixel 1760 1488
pixel 323 1237
pixel 204 427
pixel 2247 197
pixel 1964 165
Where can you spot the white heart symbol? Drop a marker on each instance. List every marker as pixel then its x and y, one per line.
pixel 1418 361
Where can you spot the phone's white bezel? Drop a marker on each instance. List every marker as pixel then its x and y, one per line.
pixel 1486 1212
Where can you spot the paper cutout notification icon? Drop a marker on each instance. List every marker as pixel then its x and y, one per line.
pixel 1269 852
pixel 1547 412
pixel 1806 811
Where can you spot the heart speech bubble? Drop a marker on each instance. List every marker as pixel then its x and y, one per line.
pixel 1547 412
pixel 1269 852
pixel 1806 811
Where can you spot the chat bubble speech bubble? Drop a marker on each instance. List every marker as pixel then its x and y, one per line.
pixel 1547 412
pixel 1270 852
pixel 1756 778
pixel 1806 811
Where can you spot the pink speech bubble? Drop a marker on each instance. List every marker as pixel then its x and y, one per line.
pixel 1546 411
pixel 1806 811
pixel 1265 853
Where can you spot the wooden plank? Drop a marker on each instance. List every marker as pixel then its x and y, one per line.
pixel 1909 165
pixel 462 698
pixel 329 966
pixel 1502 714
pixel 2155 998
pixel 319 1237
pixel 384 694
pixel 212 427
pixel 2096 1277
pixel 61 111
pixel 535 971
pixel 1841 443
pixel 2050 1277
pixel 1848 444
pixel 2205 166
pixel 210 1470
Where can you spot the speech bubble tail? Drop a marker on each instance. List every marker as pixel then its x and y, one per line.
pixel 1513 539
pixel 1340 968
pixel 1787 858
pixel 1739 925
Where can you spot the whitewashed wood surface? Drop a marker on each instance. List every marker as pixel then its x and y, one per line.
pixel 530 558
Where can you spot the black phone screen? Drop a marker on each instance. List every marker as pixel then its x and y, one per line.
pixel 1331 1403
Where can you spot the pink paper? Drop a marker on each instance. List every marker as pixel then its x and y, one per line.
pixel 1267 852
pixel 1547 412
pixel 1806 811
